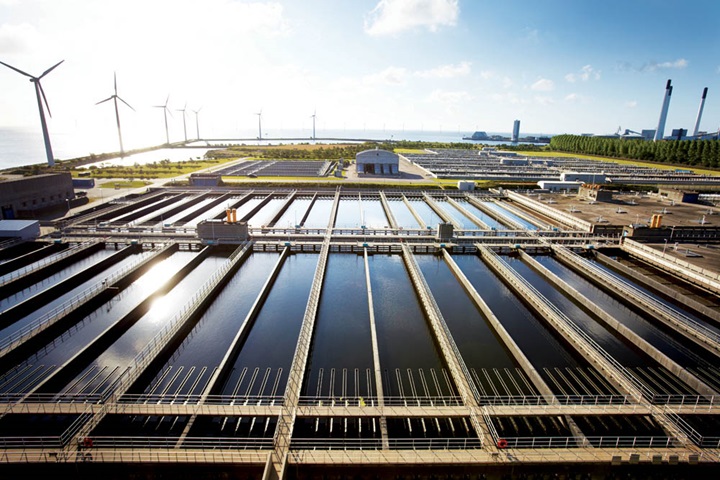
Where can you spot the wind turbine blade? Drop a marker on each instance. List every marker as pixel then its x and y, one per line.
pixel 17 70
pixel 126 103
pixel 50 69
pixel 103 101
pixel 166 101
pixel 115 81
pixel 39 85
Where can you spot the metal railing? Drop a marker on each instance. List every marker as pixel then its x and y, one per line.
pixel 393 443
pixel 251 443
pixel 159 341
pixel 44 262
pixel 688 325
pixel 595 349
pixel 605 441
pixel 61 311
pixel 711 275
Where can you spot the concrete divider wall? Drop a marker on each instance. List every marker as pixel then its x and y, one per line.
pixel 613 324
pixel 705 278
pixel 657 286
pixel 551 212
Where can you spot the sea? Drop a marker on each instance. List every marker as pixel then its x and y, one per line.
pixel 24 146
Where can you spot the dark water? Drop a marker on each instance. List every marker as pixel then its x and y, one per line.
pixel 45 283
pixel 121 353
pixel 58 301
pixel 272 339
pixel 681 351
pixel 667 303
pixel 198 206
pixel 81 334
pixel 402 214
pixel 122 217
pixel 611 344
pixel 533 338
pixel 161 211
pixel 205 346
pixel 404 338
pixel 342 331
pixel 214 211
pixel 473 336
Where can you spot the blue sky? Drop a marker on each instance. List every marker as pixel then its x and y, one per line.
pixel 560 66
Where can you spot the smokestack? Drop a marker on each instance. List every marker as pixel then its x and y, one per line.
pixel 660 132
pixel 699 116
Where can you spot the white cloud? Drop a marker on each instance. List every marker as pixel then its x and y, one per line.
pixel 442 96
pixel 504 81
pixel 544 100
pixel 586 73
pixel 572 97
pixel 654 66
pixel 446 71
pixel 543 85
pixel 389 76
pixel 17 38
pixel 631 104
pixel 507 97
pixel 679 63
pixel 394 16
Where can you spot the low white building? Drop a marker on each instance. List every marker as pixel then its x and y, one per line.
pixel 558 186
pixel 377 162
pixel 584 177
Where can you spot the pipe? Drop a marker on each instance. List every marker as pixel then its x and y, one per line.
pixel 660 132
pixel 699 115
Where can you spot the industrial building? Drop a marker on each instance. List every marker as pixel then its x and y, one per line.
pixel 306 333
pixel 29 197
pixel 377 162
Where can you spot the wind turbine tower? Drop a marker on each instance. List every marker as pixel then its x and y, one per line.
pixel 197 123
pixel 39 92
pixel 184 123
pixel 114 97
pixel 259 114
pixel 165 112
pixel 313 117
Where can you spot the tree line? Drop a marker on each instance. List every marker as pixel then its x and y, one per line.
pixel 700 153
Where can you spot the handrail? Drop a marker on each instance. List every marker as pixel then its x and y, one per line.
pixel 689 325
pixel 596 350
pixel 44 262
pixel 61 311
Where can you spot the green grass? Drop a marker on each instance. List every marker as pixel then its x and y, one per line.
pixel 155 170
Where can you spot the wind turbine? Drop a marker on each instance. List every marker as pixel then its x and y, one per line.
pixel 197 124
pixel 184 124
pixel 259 114
pixel 114 97
pixel 38 93
pixel 313 117
pixel 165 111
